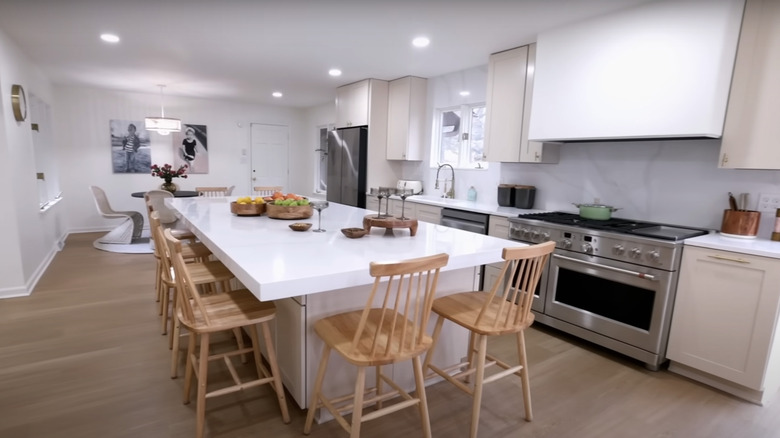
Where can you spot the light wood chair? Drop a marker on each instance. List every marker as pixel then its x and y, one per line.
pixel 227 311
pixel 374 337
pixel 128 230
pixel 214 192
pixel 266 190
pixel 489 313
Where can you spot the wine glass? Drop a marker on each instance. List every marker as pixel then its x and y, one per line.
pixel 319 206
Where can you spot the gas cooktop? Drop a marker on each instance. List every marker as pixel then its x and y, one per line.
pixel 617 225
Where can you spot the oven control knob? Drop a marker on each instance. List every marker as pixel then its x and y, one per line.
pixel 545 236
pixel 587 248
pixel 654 256
pixel 635 253
pixel 619 249
pixel 565 243
pixel 534 234
pixel 524 232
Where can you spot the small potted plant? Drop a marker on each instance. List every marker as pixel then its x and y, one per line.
pixel 167 172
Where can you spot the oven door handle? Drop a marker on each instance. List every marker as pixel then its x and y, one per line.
pixel 608 268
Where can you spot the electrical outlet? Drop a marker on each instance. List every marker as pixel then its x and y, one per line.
pixel 768 202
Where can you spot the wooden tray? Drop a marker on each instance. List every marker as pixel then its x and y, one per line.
pixel 389 223
pixel 247 209
pixel 282 212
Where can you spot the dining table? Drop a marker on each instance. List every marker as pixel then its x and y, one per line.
pixel 176 194
pixel 310 275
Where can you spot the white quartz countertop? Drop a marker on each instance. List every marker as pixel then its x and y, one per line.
pixel 475 206
pixel 758 247
pixel 275 262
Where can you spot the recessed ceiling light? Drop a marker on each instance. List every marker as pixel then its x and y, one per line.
pixel 465 93
pixel 277 94
pixel 334 72
pixel 109 38
pixel 421 42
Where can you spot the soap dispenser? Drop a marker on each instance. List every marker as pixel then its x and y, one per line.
pixel 472 195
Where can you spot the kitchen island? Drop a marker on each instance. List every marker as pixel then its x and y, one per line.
pixel 312 275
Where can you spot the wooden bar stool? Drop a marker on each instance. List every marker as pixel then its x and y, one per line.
pixel 214 192
pixel 374 337
pixel 266 190
pixel 489 313
pixel 204 315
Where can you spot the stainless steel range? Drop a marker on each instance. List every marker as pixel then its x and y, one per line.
pixel 611 282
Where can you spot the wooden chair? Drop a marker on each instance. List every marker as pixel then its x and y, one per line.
pixel 128 230
pixel 266 190
pixel 214 192
pixel 227 311
pixel 489 313
pixel 374 337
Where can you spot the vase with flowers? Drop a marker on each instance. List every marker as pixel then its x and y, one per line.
pixel 167 173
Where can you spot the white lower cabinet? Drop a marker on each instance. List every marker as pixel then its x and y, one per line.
pixel 289 327
pixel 372 203
pixel 724 330
pixel 427 213
pixel 498 226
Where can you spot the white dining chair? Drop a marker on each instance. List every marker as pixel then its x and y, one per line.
pixel 128 230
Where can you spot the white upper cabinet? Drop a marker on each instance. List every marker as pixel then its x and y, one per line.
pixel 352 104
pixel 509 95
pixel 406 118
pixel 752 130
pixel 659 70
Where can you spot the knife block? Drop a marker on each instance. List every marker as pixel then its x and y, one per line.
pixel 743 223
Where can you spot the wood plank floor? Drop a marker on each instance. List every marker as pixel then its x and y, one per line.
pixel 83 357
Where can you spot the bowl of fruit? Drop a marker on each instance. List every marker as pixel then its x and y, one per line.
pixel 247 206
pixel 289 206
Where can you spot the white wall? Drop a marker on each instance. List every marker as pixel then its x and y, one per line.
pixel 83 136
pixel 29 238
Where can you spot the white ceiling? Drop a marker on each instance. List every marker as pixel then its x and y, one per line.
pixel 244 49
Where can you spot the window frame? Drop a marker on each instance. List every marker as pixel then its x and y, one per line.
pixel 465 145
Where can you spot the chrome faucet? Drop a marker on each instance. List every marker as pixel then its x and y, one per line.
pixel 447 194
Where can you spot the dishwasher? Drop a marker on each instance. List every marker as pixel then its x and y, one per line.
pixel 467 221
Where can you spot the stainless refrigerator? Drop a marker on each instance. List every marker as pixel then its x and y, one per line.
pixel 347 150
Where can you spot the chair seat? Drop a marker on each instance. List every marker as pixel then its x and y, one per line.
pixel 463 309
pixel 229 310
pixel 338 331
pixel 195 251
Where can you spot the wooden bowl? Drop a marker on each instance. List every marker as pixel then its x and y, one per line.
pixel 354 233
pixel 247 209
pixel 282 212
pixel 300 226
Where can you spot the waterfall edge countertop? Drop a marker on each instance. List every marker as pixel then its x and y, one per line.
pixel 275 262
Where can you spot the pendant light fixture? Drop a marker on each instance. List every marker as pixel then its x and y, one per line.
pixel 162 125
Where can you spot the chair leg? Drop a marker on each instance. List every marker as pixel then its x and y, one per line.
pixel 164 302
pixel 315 395
pixel 203 364
pixel 174 321
pixel 478 379
pixel 470 355
pixel 529 416
pixel 278 387
pixel 240 342
pixel 378 386
pixel 158 284
pixel 435 339
pixel 357 405
pixel 188 369
pixel 419 379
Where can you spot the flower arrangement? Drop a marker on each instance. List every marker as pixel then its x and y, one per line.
pixel 167 172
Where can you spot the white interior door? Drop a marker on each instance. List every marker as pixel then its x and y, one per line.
pixel 270 148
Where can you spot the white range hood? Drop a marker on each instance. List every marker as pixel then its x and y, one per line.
pixel 659 70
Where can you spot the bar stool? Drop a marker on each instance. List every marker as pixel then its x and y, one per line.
pixel 226 311
pixel 374 337
pixel 487 314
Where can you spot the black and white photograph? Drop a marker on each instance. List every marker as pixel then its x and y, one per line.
pixel 190 147
pixel 130 151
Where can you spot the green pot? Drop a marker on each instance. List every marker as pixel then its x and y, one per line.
pixel 596 211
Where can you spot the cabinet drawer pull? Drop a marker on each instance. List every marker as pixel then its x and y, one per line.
pixel 729 259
